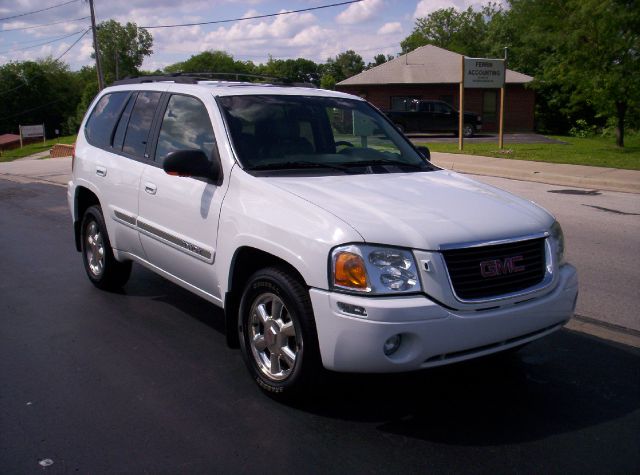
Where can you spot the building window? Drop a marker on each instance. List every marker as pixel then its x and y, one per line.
pixel 403 103
pixel 489 106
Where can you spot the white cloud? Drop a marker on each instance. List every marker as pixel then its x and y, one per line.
pixel 360 12
pixel 390 28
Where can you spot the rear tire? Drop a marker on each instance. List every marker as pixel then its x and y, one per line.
pixel 277 331
pixel 102 268
pixel 469 130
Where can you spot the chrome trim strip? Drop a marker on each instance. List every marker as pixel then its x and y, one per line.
pixel 466 245
pixel 176 242
pixel 546 281
pixel 125 218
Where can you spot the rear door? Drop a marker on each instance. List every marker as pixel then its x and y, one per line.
pixel 178 216
pixel 116 176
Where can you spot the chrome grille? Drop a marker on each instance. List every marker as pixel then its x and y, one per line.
pixel 490 271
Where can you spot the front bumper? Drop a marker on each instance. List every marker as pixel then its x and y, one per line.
pixel 431 334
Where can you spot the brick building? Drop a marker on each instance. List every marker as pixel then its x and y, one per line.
pixel 430 72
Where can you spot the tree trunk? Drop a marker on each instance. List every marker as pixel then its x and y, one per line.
pixel 621 109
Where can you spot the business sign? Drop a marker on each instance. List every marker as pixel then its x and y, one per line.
pixel 483 73
pixel 29 131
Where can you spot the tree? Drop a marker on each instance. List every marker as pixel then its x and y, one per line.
pixel 344 65
pixel 36 92
pixel 122 49
pixel 295 70
pixel 460 31
pixel 379 59
pixel 212 62
pixel 598 54
pixel 584 56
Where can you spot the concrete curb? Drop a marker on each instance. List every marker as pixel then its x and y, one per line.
pixel 611 179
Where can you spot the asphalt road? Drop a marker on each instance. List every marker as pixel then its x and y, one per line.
pixel 141 381
pixel 602 232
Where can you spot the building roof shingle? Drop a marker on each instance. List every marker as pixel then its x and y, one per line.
pixel 425 65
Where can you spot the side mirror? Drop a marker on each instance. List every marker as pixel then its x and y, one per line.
pixel 424 153
pixel 192 163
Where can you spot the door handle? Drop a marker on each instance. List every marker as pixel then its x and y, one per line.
pixel 150 188
pixel 101 171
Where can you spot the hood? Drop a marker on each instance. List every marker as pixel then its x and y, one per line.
pixel 425 210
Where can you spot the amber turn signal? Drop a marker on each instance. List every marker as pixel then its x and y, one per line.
pixel 350 271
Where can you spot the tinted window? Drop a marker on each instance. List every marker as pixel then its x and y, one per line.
pixel 135 140
pixel 118 137
pixel 103 118
pixel 185 126
pixel 316 134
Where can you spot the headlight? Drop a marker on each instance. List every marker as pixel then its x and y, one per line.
pixel 374 270
pixel 557 242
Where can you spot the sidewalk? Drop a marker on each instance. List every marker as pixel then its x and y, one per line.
pixel 53 170
pixel 600 178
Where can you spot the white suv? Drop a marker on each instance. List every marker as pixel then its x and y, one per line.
pixel 328 239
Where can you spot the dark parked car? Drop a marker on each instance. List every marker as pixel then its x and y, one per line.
pixel 434 116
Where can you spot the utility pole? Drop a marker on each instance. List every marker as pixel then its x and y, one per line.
pixel 95 48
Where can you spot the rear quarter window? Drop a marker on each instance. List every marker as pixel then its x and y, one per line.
pixel 104 117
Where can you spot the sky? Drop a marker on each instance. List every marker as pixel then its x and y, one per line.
pixel 369 27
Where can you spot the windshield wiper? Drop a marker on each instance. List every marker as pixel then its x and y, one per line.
pixel 298 164
pixel 382 161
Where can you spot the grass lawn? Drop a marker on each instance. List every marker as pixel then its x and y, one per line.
pixel 594 151
pixel 9 155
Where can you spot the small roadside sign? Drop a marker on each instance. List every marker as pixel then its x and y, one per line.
pixel 31 131
pixel 484 73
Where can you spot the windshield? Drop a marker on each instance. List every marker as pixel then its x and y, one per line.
pixel 317 134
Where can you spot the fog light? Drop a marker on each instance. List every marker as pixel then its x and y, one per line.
pixel 392 344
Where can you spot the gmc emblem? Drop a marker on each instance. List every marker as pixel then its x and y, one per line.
pixel 496 267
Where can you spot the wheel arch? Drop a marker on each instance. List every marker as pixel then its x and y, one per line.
pixel 247 260
pixel 84 198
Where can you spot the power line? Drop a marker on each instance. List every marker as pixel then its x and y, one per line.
pixel 74 43
pixel 38 11
pixel 41 44
pixel 57 59
pixel 255 17
pixel 43 25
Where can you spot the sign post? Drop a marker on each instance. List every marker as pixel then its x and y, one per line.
pixel 484 73
pixel 502 92
pixel 461 108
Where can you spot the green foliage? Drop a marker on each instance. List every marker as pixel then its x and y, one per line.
pixel 468 32
pixel 582 129
pixel 344 65
pixel 295 70
pixel 328 81
pixel 36 92
pixel 211 61
pixel 379 59
pixel 122 49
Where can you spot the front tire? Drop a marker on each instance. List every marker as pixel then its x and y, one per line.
pixel 278 336
pixel 102 268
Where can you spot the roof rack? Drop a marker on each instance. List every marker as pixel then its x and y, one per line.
pixel 193 78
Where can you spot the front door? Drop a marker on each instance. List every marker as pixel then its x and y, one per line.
pixel 178 216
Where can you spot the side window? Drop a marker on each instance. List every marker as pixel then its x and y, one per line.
pixel 185 126
pixel 103 118
pixel 118 137
pixel 135 140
